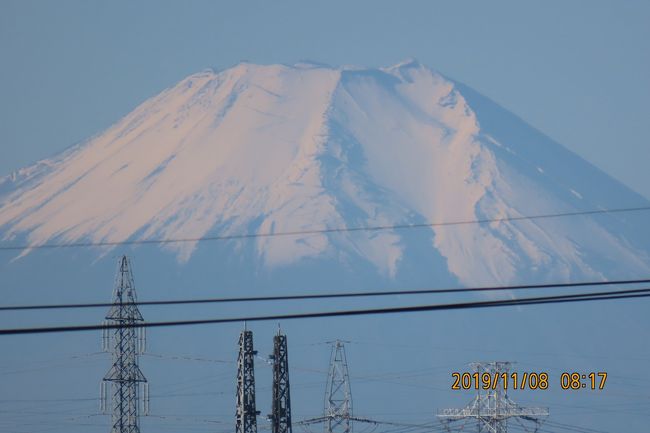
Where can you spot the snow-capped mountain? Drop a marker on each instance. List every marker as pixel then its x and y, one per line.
pixel 269 149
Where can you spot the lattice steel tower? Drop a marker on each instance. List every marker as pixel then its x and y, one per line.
pixel 280 416
pixel 338 398
pixel 125 382
pixel 246 414
pixel 492 409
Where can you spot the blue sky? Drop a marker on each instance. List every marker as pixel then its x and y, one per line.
pixel 576 70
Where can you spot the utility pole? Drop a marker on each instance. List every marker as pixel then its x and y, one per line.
pixel 126 383
pixel 338 398
pixel 280 416
pixel 493 408
pixel 246 414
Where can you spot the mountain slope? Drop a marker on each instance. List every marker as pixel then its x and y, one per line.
pixel 262 149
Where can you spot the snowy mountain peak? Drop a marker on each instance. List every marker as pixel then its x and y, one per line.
pixel 277 148
pixel 409 62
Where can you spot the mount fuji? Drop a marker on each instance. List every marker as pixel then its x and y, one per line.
pixel 262 149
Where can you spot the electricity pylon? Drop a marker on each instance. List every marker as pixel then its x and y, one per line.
pixel 492 409
pixel 126 383
pixel 246 414
pixel 338 398
pixel 280 416
pixel 337 416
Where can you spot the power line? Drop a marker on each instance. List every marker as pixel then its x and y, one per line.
pixel 335 295
pixel 562 426
pixel 579 297
pixel 323 231
pixel 187 358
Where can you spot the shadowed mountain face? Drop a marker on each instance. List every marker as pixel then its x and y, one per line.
pixel 270 149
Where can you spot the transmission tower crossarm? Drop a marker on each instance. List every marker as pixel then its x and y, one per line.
pixel 492 409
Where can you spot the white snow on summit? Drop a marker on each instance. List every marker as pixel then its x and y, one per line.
pixel 261 149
